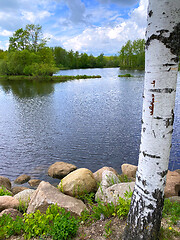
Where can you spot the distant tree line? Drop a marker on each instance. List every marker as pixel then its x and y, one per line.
pixel 72 60
pixel 28 54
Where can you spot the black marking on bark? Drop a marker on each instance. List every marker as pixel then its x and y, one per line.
pixel 144 129
pixel 150 13
pixel 151 107
pixel 154 133
pixel 144 182
pixel 163 136
pixel 163 13
pixel 169 64
pixel 150 206
pixel 170 121
pixel 157 163
pixel 170 132
pixel 163 173
pixel 139 226
pixel 143 190
pixel 151 156
pixel 164 90
pixel 172 42
pixel 142 121
pixel 158 118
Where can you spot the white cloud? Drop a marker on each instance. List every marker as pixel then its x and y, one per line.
pixel 5 33
pixel 34 17
pixel 110 39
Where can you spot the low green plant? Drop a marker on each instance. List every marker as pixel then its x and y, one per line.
pixel 87 198
pixel 23 206
pixel 55 222
pixel 105 209
pixel 126 75
pixel 171 211
pixel 168 233
pixel 107 229
pixel 3 191
pixel 124 205
pixel 65 226
pixel 10 227
pixel 124 178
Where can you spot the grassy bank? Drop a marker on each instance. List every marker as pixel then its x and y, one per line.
pixel 47 78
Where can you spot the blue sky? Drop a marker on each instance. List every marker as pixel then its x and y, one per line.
pixel 91 26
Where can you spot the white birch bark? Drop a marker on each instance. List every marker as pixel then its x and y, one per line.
pixel 161 68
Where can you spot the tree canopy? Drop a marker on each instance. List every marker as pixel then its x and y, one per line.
pixel 28 54
pixel 132 55
pixel 29 38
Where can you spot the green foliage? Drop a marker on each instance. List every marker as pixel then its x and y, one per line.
pixel 10 227
pixel 55 222
pixel 124 178
pixel 3 191
pixel 23 206
pixel 126 75
pixel 29 38
pixel 124 205
pixel 171 211
pixel 132 55
pixel 65 226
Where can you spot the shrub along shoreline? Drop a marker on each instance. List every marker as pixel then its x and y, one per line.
pixel 46 78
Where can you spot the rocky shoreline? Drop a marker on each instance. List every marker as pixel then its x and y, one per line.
pixel 106 184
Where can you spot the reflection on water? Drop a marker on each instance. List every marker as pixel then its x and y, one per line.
pixel 27 89
pixel 90 123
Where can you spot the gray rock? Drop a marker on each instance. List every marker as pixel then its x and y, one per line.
pixel 112 194
pixel 78 182
pixel 24 196
pixel 46 195
pixel 22 179
pixel 5 182
pixel 34 182
pixel 129 170
pixel 60 169
pixel 8 202
pixel 98 173
pixel 18 189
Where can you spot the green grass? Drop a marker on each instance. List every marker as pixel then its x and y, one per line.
pixel 126 75
pixel 48 78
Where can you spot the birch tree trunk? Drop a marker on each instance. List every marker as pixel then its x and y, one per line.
pixel 161 68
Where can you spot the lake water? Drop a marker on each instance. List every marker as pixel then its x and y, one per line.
pixel 90 123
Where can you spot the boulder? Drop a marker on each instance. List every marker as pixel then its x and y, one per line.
pixel 12 212
pixel 78 182
pixel 22 179
pixel 24 196
pixel 109 178
pixel 8 202
pixel 5 182
pixel 18 189
pixel 98 173
pixel 34 182
pixel 129 170
pixel 46 195
pixel 172 183
pixel 60 169
pixel 112 194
